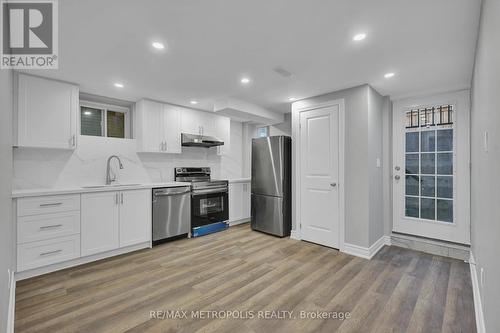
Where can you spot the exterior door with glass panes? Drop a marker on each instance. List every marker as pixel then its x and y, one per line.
pixel 431 167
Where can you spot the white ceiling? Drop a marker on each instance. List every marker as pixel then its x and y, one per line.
pixel 429 44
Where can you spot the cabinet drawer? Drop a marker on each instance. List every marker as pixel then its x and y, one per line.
pixel 47 226
pixel 46 252
pixel 48 204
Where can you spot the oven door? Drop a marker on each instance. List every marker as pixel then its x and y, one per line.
pixel 209 206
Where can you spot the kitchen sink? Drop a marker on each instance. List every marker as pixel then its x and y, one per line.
pixel 110 185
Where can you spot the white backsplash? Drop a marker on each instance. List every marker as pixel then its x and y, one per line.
pixel 51 168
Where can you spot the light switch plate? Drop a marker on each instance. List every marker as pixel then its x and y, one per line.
pixel 379 163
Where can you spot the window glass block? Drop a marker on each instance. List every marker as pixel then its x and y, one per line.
pixel 428 163
pixel 428 186
pixel 445 140
pixel 445 187
pixel 428 209
pixel 412 142
pixel 445 163
pixel 428 141
pixel 445 210
pixel 411 206
pixel 412 185
pixel 412 164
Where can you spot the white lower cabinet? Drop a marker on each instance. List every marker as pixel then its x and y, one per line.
pixel 135 217
pixel 100 222
pixel 111 220
pixel 46 252
pixel 239 201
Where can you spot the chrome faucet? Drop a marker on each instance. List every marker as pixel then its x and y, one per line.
pixel 109 180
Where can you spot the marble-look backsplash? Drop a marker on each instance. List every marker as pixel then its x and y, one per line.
pixel 52 168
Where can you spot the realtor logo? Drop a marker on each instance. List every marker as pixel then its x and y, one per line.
pixel 29 34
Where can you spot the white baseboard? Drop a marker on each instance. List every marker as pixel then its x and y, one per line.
pixel 478 306
pixel 294 234
pixel 387 240
pixel 366 252
pixel 236 222
pixel 12 303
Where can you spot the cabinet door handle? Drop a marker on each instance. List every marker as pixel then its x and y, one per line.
pixel 43 227
pixel 51 204
pixel 117 199
pixel 49 253
pixel 121 198
pixel 165 143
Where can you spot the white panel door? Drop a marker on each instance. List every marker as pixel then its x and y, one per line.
pixel 319 176
pixel 47 113
pixel 171 129
pixel 135 217
pixel 99 222
pixel 235 201
pixel 431 176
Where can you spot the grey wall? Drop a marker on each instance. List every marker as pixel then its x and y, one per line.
pixel 6 235
pixel 285 128
pixel 375 152
pixel 485 182
pixel 363 141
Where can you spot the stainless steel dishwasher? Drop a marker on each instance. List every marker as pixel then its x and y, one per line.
pixel 171 213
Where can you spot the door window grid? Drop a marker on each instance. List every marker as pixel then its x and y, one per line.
pixel 429 164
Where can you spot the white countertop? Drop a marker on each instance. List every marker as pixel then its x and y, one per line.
pixel 73 190
pixel 239 180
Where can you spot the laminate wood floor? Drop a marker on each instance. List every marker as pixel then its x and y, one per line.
pixel 249 273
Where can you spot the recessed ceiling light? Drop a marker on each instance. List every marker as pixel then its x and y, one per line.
pixel 158 45
pixel 388 75
pixel 291 99
pixel 245 80
pixel 119 85
pixel 87 113
pixel 359 37
pixel 193 102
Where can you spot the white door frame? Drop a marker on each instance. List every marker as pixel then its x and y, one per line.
pixel 297 109
pixel 462 147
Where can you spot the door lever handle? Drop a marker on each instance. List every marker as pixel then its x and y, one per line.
pixel 333 184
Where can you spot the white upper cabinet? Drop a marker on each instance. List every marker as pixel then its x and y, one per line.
pixel 206 123
pixel 47 113
pixel 223 132
pixel 172 129
pixel 157 127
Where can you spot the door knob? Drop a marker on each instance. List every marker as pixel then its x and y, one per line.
pixel 333 184
pixel 397 177
pixel 397 168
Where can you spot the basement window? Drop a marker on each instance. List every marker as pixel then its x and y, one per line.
pixel 263 132
pixel 97 119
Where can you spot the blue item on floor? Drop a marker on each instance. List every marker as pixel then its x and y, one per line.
pixel 209 229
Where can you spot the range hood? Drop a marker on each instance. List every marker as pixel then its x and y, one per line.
pixel 195 140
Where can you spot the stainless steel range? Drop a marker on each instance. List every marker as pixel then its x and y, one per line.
pixel 209 200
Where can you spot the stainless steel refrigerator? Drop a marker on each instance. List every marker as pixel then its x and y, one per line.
pixel 272 185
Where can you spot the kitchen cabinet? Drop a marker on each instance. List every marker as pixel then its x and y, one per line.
pixel 46 114
pixel 110 220
pixel 99 222
pixel 135 217
pixel 239 201
pixel 157 127
pixel 209 124
pixel 48 230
